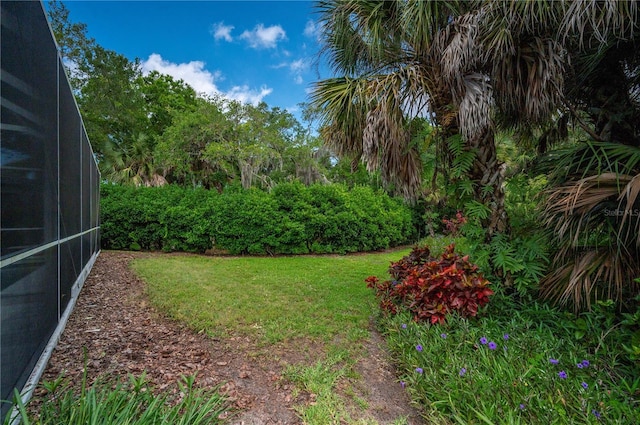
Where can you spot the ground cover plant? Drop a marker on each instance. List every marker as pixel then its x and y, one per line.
pixel 315 303
pixel 134 402
pixel 520 363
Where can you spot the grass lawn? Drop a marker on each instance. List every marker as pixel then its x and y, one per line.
pixel 273 298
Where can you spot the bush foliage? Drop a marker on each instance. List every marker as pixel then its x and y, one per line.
pixel 431 288
pixel 291 219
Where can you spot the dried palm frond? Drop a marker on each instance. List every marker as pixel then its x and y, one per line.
pixel 476 106
pixel 365 117
pixel 528 84
pixel 582 196
pixel 461 53
pixel 629 207
pixel 599 21
pixel 597 227
pixel 583 276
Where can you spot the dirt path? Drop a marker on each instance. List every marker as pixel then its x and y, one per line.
pixel 122 334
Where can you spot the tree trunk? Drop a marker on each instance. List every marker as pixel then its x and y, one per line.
pixel 488 176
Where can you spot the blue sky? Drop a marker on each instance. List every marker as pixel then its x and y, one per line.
pixel 246 50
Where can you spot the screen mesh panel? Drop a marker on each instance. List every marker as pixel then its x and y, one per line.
pixel 49 193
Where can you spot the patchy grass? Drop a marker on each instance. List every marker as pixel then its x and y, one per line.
pixel 280 300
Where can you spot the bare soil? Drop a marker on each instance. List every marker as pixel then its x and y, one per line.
pixel 113 331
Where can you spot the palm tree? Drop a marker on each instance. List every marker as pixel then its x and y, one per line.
pixel 479 65
pixel 134 165
pixel 402 59
pixel 594 211
pixel 593 205
pixel 578 63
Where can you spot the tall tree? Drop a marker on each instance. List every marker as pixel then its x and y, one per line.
pixel 481 65
pixel 180 151
pixel 402 59
pixel 164 98
pixel 575 62
pixel 73 41
pixel 593 205
pixel 124 111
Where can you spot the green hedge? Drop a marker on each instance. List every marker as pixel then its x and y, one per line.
pixel 291 219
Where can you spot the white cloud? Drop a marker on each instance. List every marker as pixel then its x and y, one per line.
pixel 296 68
pixel 245 94
pixel 222 31
pixel 264 38
pixel 192 73
pixel 312 29
pixel 202 80
pixel 298 65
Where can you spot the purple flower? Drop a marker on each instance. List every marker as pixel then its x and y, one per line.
pixel 404 326
pixel 462 372
pixel 505 337
pixel 585 385
pixel 579 365
pixel 493 345
pixel 403 384
pixel 419 347
pixel 483 340
pixel 596 413
pixel 419 370
pixel 522 406
pixel 562 374
pixel 585 363
pixel 443 336
pixel 553 361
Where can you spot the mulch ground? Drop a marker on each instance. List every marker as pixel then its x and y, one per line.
pixel 114 332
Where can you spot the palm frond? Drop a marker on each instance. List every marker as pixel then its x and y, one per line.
pixel 597 229
pixel 590 158
pixel 342 103
pixel 476 106
pixel 583 276
pixel 581 196
pixel 461 54
pixel 599 21
pixel 423 20
pixel 359 36
pixel 365 117
pixel 528 85
pixel 629 207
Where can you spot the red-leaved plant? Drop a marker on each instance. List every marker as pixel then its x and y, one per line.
pixel 453 225
pixel 430 288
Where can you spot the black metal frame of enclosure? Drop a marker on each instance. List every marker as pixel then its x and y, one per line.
pixel 49 197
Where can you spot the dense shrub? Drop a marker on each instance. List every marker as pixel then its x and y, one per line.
pixel 292 219
pixel 431 288
pixel 132 218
